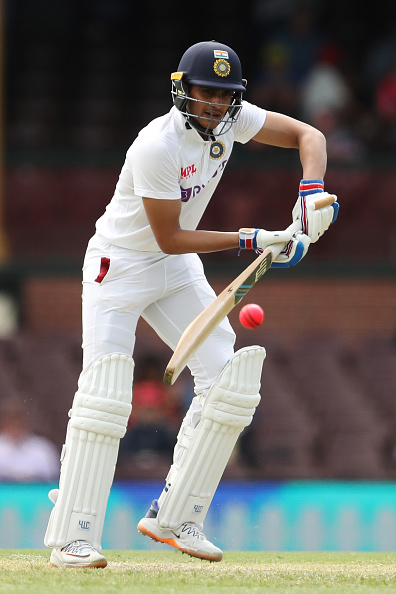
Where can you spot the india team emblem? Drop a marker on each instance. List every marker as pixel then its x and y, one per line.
pixel 222 67
pixel 217 149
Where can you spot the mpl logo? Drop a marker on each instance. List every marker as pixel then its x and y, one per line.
pixel 192 191
pixel 188 171
pixel 84 525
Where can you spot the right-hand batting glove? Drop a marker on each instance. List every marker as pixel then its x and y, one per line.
pixel 293 252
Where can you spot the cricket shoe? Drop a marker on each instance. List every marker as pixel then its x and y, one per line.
pixel 78 553
pixel 188 538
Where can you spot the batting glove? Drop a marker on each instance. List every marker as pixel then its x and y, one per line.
pixel 294 251
pixel 314 222
pixel 260 239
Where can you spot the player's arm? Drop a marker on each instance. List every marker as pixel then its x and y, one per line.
pixel 163 216
pixel 283 131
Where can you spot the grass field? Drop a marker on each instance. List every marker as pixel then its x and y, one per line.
pixel 171 572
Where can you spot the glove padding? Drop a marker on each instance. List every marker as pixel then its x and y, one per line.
pixel 260 239
pixel 296 243
pixel 294 251
pixel 265 238
pixel 314 222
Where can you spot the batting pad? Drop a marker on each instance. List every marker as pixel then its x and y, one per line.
pixel 98 420
pixel 228 408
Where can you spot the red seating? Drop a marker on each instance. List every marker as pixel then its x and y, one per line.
pixel 327 407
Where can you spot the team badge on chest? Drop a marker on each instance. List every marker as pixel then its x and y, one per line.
pixel 217 149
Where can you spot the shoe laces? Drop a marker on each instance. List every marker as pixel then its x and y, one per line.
pixel 193 530
pixel 78 547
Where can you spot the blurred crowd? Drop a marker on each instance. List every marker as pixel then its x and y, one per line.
pixel 25 454
pixel 339 77
pixel 77 78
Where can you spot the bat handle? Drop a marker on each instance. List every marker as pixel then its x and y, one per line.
pixel 326 201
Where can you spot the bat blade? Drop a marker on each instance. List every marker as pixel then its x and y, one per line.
pixel 203 325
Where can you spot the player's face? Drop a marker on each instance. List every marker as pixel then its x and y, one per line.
pixel 210 105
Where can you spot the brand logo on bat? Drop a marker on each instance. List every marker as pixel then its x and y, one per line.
pixel 262 268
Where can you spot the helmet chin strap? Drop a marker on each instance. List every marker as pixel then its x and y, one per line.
pixel 191 123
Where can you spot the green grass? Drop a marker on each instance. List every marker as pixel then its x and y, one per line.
pixel 169 572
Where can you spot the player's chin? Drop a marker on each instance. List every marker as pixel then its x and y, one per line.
pixel 209 124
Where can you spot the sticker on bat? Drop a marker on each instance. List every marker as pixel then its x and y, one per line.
pixel 263 267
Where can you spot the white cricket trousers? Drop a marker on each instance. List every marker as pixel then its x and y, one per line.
pixel 120 285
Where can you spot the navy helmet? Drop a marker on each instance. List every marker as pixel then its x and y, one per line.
pixel 209 64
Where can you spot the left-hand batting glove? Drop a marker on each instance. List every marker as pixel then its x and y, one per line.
pixel 314 222
pixel 259 239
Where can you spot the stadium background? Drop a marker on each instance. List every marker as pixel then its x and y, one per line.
pixel 80 79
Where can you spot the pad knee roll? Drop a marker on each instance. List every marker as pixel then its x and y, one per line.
pixel 98 420
pixel 228 408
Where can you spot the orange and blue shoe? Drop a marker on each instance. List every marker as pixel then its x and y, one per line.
pixel 187 538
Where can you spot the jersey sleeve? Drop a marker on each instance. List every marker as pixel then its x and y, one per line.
pixel 154 170
pixel 250 122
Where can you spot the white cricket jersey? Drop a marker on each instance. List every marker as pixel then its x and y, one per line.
pixel 167 161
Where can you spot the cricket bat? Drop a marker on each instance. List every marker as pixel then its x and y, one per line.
pixel 204 324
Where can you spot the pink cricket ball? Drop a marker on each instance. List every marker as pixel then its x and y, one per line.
pixel 251 316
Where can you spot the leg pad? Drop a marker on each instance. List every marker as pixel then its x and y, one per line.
pixel 98 420
pixel 228 408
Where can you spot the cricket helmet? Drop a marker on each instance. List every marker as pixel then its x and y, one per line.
pixel 212 65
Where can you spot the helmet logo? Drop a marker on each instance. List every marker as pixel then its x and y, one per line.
pixel 217 149
pixel 220 54
pixel 222 67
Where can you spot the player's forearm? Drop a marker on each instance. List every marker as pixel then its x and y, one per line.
pixel 313 155
pixel 184 241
